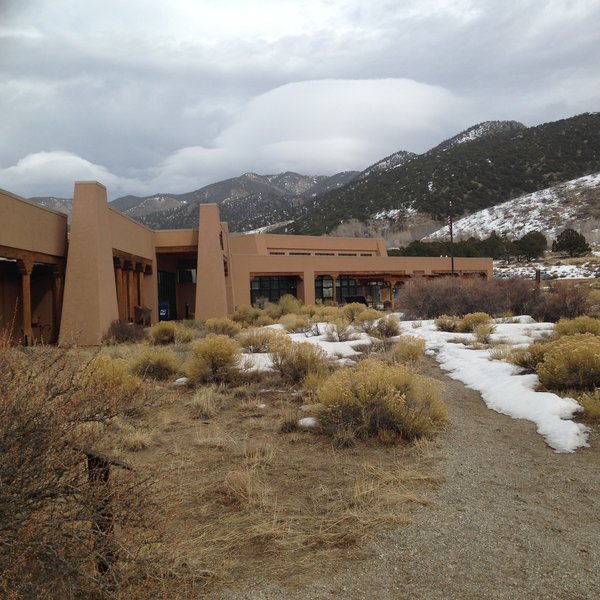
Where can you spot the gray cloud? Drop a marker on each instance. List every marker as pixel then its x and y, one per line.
pixel 168 96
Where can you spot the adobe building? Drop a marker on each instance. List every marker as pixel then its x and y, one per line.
pixel 113 268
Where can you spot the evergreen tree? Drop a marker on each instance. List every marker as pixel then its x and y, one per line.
pixel 571 242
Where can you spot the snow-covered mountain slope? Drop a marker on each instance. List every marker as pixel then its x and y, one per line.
pixel 570 204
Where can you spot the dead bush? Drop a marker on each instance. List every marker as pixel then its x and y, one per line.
pixel 407 350
pixel 374 396
pixel 483 332
pixel 591 406
pixel 122 332
pixel 256 339
pixel 246 315
pixel 214 359
pixel 528 358
pixel 51 542
pixel 339 330
pixel 353 310
pixel 472 320
pixel 296 360
pixel 222 326
pixel 367 319
pixel 169 332
pixel 155 363
pixel 571 362
pixel 581 324
pixel 562 301
pixel 386 328
pixel 447 323
pixel 294 323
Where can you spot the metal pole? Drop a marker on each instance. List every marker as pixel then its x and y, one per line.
pixel 450 216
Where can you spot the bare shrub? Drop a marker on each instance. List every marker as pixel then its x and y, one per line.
pixel 296 360
pixel 407 350
pixel 472 320
pixel 353 310
pixel 563 301
pixel 367 319
pixel 339 330
pixel 571 362
pixel 256 339
pixel 264 320
pixel 386 328
pixel 155 363
pixel 169 332
pixel 528 358
pixel 295 323
pixel 214 359
pixel 122 332
pixel 374 396
pixel 581 324
pixel 51 544
pixel 246 315
pixel 447 323
pixel 428 299
pixel 591 406
pixel 222 326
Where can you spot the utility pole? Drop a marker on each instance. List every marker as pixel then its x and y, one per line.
pixel 450 216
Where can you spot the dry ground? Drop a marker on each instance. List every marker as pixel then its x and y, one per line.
pixel 244 502
pixel 514 520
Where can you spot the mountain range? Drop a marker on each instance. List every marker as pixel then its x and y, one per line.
pixel 401 197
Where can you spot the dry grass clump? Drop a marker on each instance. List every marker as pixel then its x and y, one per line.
pixel 353 310
pixel 591 406
pixel 374 396
pixel 339 330
pixel 386 328
pixel 207 401
pixel 483 332
pixel 581 324
pixel 169 332
pixel 296 360
pixel 447 323
pixel 222 326
pixel 472 320
pixel 214 359
pixel 367 319
pixel 256 339
pixel 123 332
pixel 258 454
pixel 571 362
pixel 155 363
pixel 294 323
pixel 246 315
pixel 407 349
pixel 530 357
pixel 136 440
pixel 104 376
pixel 264 320
pixel 326 314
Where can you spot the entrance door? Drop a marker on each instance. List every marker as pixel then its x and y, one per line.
pixel 167 296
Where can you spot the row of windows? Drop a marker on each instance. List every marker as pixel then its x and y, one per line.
pixel 279 253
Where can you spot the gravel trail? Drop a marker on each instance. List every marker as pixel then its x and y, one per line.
pixel 514 520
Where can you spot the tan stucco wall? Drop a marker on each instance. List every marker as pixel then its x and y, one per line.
pixel 26 226
pixel 97 234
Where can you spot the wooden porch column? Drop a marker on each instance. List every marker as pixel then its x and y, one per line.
pixel 57 298
pixel 129 289
pixel 334 277
pixel 139 270
pixel 118 266
pixel 26 267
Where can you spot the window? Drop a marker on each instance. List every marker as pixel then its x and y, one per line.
pixel 366 254
pixel 347 253
pixel 323 287
pixel 324 254
pixel 186 276
pixel 277 253
pixel 272 287
pixel 347 286
pixel 299 253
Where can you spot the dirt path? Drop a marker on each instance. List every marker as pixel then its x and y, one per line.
pixel 514 520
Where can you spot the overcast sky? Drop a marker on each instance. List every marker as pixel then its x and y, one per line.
pixel 152 96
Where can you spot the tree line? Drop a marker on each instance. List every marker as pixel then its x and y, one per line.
pixel 530 246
